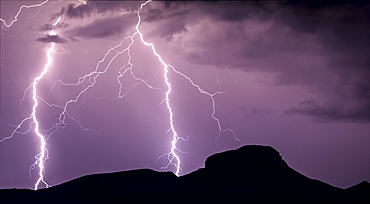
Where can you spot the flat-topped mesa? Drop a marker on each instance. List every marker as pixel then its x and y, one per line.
pixel 246 158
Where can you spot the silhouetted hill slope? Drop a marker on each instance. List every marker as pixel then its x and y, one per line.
pixel 360 191
pixel 250 174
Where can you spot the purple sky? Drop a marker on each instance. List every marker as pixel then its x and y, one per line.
pixel 294 76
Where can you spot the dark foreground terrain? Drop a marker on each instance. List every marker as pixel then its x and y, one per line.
pixel 250 174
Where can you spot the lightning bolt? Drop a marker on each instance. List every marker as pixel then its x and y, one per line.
pixel 172 155
pixel 42 156
pixel 89 80
pixel 19 12
pixel 92 77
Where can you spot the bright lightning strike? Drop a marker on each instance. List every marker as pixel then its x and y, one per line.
pixel 20 10
pixel 42 156
pixel 89 80
pixel 172 155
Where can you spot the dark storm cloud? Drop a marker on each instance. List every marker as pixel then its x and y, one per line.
pixel 48 26
pixel 236 11
pixel 51 38
pixel 153 15
pixel 94 7
pixel 158 14
pixel 168 20
pixel 81 11
pixel 168 28
pixel 102 28
pixel 343 31
pixel 300 33
pixel 320 3
pixel 348 101
pixel 174 28
pixel 284 38
pixel 334 111
pixel 175 19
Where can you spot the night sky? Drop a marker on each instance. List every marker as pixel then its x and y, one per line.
pixel 294 76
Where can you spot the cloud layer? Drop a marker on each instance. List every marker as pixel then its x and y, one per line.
pixel 296 41
pixel 51 38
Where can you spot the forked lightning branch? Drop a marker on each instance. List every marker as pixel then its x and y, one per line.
pixel 173 155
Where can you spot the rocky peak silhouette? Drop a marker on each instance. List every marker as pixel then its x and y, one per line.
pixel 252 173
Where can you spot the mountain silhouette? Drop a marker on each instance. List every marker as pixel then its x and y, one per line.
pixel 250 174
